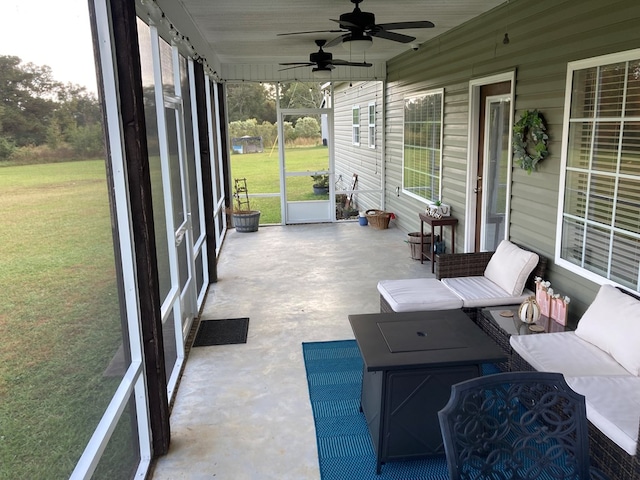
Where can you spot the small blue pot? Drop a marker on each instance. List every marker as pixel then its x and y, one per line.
pixel 363 221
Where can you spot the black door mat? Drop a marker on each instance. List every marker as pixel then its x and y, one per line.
pixel 222 332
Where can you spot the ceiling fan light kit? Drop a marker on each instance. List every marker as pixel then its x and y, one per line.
pixel 322 72
pixel 357 44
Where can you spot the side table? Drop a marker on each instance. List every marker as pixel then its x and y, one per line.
pixel 497 325
pixel 436 222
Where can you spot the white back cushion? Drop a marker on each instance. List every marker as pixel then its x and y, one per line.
pixel 612 323
pixel 510 267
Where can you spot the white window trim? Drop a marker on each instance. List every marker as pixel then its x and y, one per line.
pixel 355 127
pixel 372 125
pixel 422 94
pixel 571 67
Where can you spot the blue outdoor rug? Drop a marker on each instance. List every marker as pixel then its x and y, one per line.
pixel 345 451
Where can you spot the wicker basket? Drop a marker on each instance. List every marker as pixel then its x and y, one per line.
pixel 378 219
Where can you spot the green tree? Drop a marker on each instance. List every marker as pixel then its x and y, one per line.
pixel 307 127
pixel 35 110
pixel 250 100
pixel 301 95
pixel 27 92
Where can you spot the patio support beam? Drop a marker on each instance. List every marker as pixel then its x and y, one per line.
pixel 129 78
pixel 205 161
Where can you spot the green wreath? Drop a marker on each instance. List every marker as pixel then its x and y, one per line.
pixel 530 129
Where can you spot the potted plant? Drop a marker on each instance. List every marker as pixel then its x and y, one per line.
pixel 320 184
pixel 244 219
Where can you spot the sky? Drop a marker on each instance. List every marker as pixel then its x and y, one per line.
pixel 56 33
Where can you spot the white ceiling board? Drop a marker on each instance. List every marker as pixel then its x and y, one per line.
pixel 244 32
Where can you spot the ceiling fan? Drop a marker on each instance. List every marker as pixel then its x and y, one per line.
pixel 323 62
pixel 359 27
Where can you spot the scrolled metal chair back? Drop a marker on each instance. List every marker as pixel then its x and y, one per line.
pixel 519 425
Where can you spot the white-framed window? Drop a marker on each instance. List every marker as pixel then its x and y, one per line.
pixel 355 125
pixel 422 145
pixel 372 125
pixel 599 215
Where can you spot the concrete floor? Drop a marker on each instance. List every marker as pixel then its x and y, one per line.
pixel 242 411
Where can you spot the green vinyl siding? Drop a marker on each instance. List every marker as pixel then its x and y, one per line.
pixel 544 37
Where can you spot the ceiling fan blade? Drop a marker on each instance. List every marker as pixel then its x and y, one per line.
pixel 405 25
pixel 312 31
pixel 396 37
pixel 291 68
pixel 334 42
pixel 346 24
pixel 300 64
pixel 341 63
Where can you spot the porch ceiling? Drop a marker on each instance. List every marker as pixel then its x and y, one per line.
pixel 239 37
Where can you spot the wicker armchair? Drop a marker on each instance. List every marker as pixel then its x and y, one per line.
pixel 452 265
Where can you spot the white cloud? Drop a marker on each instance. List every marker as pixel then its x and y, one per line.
pixel 53 33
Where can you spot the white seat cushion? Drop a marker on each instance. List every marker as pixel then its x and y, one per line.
pixel 481 292
pixel 613 406
pixel 510 266
pixel 418 295
pixel 566 353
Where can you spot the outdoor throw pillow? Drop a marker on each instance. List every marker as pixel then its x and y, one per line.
pixel 510 266
pixel 612 323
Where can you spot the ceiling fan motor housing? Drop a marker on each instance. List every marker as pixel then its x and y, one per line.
pixel 321 57
pixel 363 20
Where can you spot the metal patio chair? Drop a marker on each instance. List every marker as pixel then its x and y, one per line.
pixel 519 425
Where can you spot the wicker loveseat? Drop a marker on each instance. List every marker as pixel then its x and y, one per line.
pixel 459 265
pixel 469 281
pixel 600 360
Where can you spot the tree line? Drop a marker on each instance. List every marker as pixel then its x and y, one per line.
pixel 42 119
pixel 252 112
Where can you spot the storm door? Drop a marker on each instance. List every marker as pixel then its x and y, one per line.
pixel 306 171
pixel 492 197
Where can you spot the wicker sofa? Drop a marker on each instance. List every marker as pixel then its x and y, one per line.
pixel 600 360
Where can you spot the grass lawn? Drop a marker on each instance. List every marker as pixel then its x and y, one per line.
pixel 262 172
pixel 59 315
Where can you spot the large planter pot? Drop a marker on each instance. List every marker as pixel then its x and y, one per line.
pixel 414 245
pixel 320 190
pixel 246 221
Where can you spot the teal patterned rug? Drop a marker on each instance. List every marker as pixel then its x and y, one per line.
pixel 345 451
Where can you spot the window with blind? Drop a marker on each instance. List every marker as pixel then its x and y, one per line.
pixel 355 125
pixel 372 125
pixel 600 213
pixel 422 149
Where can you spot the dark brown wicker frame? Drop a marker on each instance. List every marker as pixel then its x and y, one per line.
pixel 614 462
